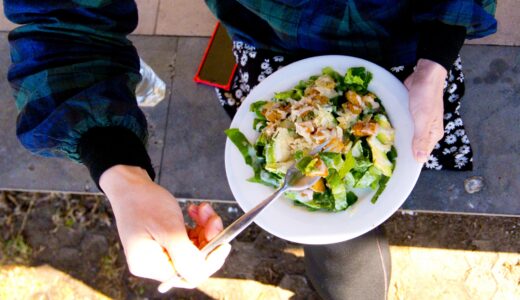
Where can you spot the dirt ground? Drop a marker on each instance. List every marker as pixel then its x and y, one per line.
pixel 77 235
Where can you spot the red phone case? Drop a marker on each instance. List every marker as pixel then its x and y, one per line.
pixel 226 86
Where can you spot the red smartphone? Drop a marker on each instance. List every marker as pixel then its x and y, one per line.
pixel 218 64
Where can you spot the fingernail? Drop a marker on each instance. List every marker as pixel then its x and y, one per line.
pixel 421 156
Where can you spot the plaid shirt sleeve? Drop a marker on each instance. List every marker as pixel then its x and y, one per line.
pixel 73 70
pixel 477 16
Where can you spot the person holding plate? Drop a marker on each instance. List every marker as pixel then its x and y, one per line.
pixel 74 74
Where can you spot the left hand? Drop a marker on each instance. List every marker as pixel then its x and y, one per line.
pixel 426 87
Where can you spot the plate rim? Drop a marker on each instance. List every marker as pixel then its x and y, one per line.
pixel 245 106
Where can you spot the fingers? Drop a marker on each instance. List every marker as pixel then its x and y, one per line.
pixel 214 262
pixel 217 257
pixel 213 227
pixel 201 214
pixel 427 133
pixel 408 82
pixel 426 107
pixel 146 258
pixel 174 282
pixel 205 213
pixel 188 261
pixel 193 212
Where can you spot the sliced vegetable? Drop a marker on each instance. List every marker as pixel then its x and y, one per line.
pixel 252 159
pixel 326 107
pixel 379 157
pixel 382 186
pixel 332 73
pixel 256 107
pixel 319 186
pixel 338 189
pixel 320 201
pixel 369 177
pixel 351 198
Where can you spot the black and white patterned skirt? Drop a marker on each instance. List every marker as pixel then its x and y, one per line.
pixel 452 152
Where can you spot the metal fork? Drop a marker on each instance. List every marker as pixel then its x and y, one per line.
pixel 294 180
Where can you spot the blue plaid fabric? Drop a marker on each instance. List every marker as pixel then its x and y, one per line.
pixel 73 67
pixel 383 31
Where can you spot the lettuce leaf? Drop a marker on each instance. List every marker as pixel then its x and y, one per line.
pixel 260 121
pixel 369 179
pixel 351 198
pixel 357 79
pixel 338 190
pixel 382 185
pixel 253 159
pixel 320 201
pixel 332 73
pixel 335 161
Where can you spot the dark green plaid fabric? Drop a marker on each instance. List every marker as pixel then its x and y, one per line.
pixel 74 69
pixel 383 31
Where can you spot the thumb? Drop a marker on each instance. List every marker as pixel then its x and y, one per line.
pixel 421 135
pixel 427 132
pixel 187 260
pixel 420 146
pixel 217 257
pixel 408 82
pixel 422 139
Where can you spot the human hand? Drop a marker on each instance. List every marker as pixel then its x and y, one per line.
pixel 426 87
pixel 207 224
pixel 152 231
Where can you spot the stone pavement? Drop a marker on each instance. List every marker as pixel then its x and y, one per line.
pixel 190 120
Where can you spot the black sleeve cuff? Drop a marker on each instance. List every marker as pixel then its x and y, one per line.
pixel 103 147
pixel 440 42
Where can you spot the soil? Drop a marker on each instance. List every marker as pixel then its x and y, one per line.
pixel 77 234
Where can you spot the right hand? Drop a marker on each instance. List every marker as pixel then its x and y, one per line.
pixel 152 231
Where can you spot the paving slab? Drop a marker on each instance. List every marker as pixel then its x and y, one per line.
pixel 184 18
pixel 159 54
pixel 193 163
pixel 20 170
pixel 148 11
pixel 507 32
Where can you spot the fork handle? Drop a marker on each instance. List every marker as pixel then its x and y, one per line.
pixel 230 232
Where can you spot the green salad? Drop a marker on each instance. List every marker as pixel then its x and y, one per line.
pixel 333 108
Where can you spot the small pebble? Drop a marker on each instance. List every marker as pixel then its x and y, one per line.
pixel 473 184
pixel 232 210
pixel 408 212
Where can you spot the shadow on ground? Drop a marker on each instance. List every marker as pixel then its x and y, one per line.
pixel 77 234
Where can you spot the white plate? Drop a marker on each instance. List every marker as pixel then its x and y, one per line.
pixel 297 224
